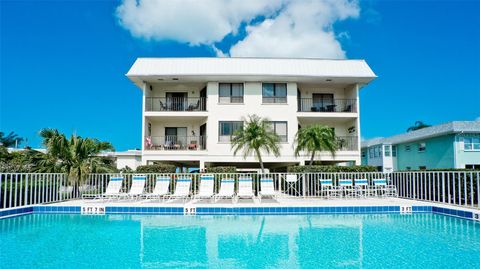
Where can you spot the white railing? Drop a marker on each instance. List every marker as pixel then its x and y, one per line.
pixel 459 188
pixel 21 189
pixel 453 187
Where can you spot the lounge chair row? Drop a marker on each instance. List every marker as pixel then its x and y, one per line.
pixel 357 188
pixel 182 190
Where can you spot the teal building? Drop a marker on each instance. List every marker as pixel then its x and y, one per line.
pixel 451 145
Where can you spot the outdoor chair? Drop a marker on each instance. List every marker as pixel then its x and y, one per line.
pixel 206 190
pixel 162 183
pixel 137 188
pixel 182 189
pixel 227 189
pixel 267 189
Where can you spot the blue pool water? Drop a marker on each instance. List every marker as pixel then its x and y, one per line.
pixel 141 241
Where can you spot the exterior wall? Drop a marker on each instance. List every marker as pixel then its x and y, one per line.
pixel 221 152
pixel 128 160
pixel 439 153
pixel 465 157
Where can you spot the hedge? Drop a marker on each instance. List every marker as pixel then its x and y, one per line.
pixel 330 169
pixel 222 169
pixel 156 168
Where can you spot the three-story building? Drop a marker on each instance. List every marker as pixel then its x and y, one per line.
pixel 192 106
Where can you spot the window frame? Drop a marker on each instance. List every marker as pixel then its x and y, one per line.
pixel 233 131
pixel 394 151
pixel 275 130
pixel 387 149
pixel 231 96
pixel 472 143
pixel 274 99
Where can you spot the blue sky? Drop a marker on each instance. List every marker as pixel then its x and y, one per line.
pixel 62 63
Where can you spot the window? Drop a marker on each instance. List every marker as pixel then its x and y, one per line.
pixel 378 151
pixel 394 151
pixel 422 147
pixel 229 93
pixel 364 154
pixel 407 148
pixel 274 92
pixel 280 128
pixel 472 166
pixel 226 129
pixel 370 153
pixel 471 143
pixel 387 150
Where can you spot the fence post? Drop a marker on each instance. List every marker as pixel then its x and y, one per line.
pixel 304 185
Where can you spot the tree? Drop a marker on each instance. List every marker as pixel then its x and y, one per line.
pixel 256 136
pixel 10 140
pixel 315 138
pixel 76 156
pixel 417 126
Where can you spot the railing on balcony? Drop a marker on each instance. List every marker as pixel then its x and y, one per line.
pixel 347 143
pixel 326 105
pixel 175 104
pixel 174 142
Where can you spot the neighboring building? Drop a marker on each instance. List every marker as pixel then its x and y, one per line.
pixel 451 145
pixel 192 106
pixel 131 158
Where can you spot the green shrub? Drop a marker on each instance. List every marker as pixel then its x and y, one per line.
pixel 222 169
pixel 156 168
pixel 330 169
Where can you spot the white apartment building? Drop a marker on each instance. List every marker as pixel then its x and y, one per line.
pixel 192 106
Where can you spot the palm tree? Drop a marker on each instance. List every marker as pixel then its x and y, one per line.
pixel 9 140
pixel 76 156
pixel 315 138
pixel 417 126
pixel 255 137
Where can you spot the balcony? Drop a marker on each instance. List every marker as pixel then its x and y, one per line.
pixel 347 143
pixel 327 105
pixel 175 104
pixel 174 142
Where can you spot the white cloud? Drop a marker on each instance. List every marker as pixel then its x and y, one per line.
pixel 477 119
pixel 288 29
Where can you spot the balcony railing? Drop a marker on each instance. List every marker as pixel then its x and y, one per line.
pixel 174 142
pixel 347 143
pixel 175 104
pixel 332 105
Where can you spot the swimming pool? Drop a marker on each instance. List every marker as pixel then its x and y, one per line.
pixel 296 241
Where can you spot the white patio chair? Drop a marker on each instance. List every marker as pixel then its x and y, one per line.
pixel 381 188
pixel 346 188
pixel 267 189
pixel 327 189
pixel 182 189
pixel 113 189
pixel 137 188
pixel 245 188
pixel 162 183
pixel 206 190
pixel 227 189
pixel 361 187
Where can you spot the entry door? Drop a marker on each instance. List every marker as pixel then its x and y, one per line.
pixel 322 101
pixel 203 136
pixel 175 136
pixel 203 99
pixel 177 101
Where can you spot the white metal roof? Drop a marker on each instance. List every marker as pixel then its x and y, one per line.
pixel 357 71
pixel 453 127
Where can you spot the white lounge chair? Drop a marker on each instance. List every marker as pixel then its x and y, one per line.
pixel 346 188
pixel 245 188
pixel 113 189
pixel 380 187
pixel 162 183
pixel 267 189
pixel 361 187
pixel 182 189
pixel 326 188
pixel 207 183
pixel 227 189
pixel 137 188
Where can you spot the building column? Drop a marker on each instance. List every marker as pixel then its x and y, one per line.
pixel 202 165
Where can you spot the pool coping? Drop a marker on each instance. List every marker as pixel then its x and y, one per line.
pixel 203 210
